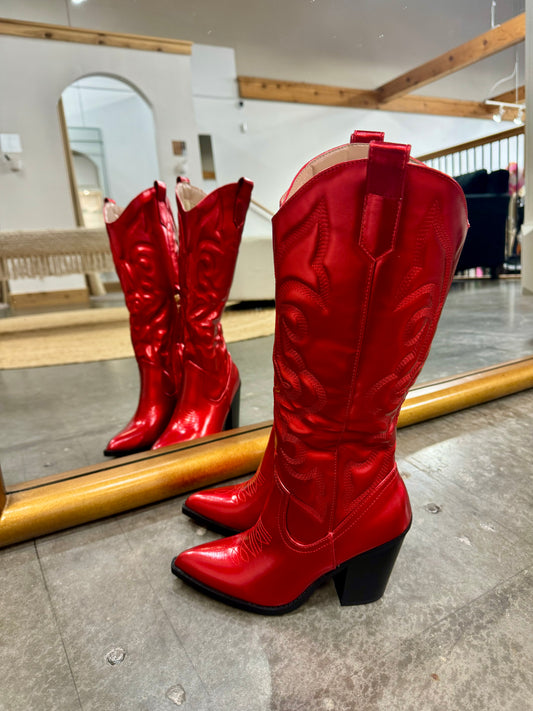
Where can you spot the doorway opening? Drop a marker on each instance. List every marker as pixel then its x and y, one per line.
pixel 109 132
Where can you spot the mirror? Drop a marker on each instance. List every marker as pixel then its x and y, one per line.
pixel 74 436
pixel 105 118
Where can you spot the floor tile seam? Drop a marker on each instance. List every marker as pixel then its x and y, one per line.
pixel 511 532
pixel 56 620
pixel 167 617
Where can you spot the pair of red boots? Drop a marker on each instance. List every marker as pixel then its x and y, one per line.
pixel 189 383
pixel 366 242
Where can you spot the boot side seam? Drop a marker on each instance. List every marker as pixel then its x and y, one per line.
pixel 321 544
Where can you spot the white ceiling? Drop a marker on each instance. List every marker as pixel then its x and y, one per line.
pixel 356 43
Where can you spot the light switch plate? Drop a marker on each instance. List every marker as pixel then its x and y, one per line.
pixel 10 143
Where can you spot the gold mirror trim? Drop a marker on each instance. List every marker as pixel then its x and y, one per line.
pixel 448 395
pixel 129 483
pixel 41 507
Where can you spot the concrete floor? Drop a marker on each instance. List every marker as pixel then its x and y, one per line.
pixel 453 631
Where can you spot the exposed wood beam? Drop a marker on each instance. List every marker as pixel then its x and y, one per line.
pixel 505 35
pixel 40 30
pixel 438 107
pixel 511 96
pixel 303 93
pixel 445 107
pixel 324 95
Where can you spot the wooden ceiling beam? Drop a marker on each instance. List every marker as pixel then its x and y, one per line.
pixel 511 96
pixel 506 35
pixel 437 106
pixel 344 97
pixel 61 33
pixel 304 93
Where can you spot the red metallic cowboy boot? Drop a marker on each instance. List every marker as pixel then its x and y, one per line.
pixel 365 247
pixel 231 509
pixel 142 239
pixel 210 230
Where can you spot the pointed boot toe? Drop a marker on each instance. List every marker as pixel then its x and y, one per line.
pixel 230 509
pixel 129 441
pixel 216 509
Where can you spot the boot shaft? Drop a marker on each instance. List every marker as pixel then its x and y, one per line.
pixel 210 230
pixel 365 247
pixel 143 245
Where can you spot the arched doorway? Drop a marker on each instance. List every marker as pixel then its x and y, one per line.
pixel 109 128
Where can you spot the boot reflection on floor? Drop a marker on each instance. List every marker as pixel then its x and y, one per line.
pixel 365 247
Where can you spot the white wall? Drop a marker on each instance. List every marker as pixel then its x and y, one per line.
pixel 282 137
pixel 39 71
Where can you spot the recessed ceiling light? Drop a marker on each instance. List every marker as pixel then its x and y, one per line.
pixel 77 2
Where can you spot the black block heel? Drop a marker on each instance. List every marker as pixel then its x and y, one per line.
pixel 232 420
pixel 364 578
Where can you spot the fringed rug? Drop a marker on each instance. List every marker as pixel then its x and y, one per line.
pixel 98 334
pixel 40 253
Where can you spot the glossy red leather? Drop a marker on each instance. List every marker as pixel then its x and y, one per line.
pixel 143 245
pixel 367 136
pixel 209 238
pixel 236 507
pixel 364 254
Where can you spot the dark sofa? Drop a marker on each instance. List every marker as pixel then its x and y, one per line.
pixel 487 198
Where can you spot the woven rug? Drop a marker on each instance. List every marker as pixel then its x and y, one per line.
pixel 97 334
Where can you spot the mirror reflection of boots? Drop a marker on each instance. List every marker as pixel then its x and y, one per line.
pixel 366 242
pixel 142 237
pixel 210 231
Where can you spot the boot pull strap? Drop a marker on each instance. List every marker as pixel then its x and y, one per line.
pixel 242 201
pixel 160 190
pixel 367 136
pixel 385 180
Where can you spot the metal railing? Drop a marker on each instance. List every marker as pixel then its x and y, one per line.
pixel 491 153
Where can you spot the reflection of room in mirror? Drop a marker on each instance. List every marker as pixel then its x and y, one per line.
pixel 112 126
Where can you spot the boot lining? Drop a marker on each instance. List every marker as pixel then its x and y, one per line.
pixel 189 195
pixel 112 212
pixel 341 154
